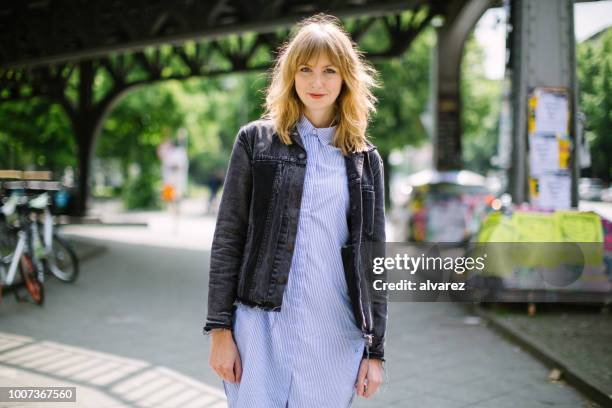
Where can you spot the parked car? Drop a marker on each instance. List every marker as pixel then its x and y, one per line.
pixel 590 189
pixel 606 195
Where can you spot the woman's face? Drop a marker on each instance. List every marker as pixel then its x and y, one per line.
pixel 318 84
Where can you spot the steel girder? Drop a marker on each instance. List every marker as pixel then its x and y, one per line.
pixel 34 32
pixel 233 53
pixel 244 51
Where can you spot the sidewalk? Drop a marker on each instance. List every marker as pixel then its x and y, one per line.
pixel 574 339
pixel 191 228
pixel 87 397
pixel 102 380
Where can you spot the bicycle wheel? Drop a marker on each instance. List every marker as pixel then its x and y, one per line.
pixel 62 261
pixel 32 284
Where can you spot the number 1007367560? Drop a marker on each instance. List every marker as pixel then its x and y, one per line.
pixel 37 394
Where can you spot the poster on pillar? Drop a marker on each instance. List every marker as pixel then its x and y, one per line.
pixel 551 191
pixel 550 111
pixel 548 153
pixel 549 148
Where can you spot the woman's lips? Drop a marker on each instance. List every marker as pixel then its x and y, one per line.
pixel 316 96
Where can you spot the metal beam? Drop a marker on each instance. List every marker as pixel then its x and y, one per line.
pixel 35 32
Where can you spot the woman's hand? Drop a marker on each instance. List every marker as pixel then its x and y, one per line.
pixel 224 356
pixel 369 377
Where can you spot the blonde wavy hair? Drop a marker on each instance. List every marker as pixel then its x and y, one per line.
pixel 355 104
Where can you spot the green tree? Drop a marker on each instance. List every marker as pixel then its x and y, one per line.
pixel 210 109
pixel 402 98
pixel 594 68
pixel 131 134
pixel 481 103
pixel 29 131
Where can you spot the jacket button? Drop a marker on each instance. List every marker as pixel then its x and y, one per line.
pixel 290 247
pixel 282 280
pixel 301 156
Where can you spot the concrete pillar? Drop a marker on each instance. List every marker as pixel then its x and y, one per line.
pixel 542 55
pixel 451 36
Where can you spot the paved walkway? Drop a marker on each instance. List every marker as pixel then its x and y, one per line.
pixel 102 380
pixel 440 356
pixel 573 338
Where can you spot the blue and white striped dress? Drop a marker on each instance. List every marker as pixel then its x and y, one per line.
pixel 308 354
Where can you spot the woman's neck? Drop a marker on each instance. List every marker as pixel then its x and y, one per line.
pixel 320 119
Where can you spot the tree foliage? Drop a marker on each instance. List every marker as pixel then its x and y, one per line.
pixel 481 102
pixel 403 96
pixel 594 66
pixel 35 134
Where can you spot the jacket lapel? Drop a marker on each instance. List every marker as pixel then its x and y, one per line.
pixel 354 163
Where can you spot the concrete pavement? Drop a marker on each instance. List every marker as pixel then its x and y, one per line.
pixel 573 339
pixel 102 380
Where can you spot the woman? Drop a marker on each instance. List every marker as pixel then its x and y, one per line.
pixel 292 319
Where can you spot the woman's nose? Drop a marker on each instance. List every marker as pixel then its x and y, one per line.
pixel 317 81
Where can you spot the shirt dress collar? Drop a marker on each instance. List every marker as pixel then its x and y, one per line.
pixel 325 135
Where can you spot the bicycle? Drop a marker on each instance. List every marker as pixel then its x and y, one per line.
pixel 22 255
pixel 56 253
pixel 53 253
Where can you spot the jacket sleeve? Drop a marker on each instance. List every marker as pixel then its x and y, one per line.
pixel 379 298
pixel 230 236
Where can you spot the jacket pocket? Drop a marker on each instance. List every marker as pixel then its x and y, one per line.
pixel 267 179
pixel 273 208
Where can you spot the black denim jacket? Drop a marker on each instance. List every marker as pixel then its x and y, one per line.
pixel 257 225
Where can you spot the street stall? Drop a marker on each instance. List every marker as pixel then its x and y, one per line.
pixel 443 206
pixel 535 256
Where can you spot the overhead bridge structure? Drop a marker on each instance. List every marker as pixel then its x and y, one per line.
pixel 46 46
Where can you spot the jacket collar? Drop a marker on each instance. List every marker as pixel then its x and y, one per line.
pixel 295 136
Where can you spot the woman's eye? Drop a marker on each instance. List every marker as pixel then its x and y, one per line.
pixel 304 69
pixel 330 71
